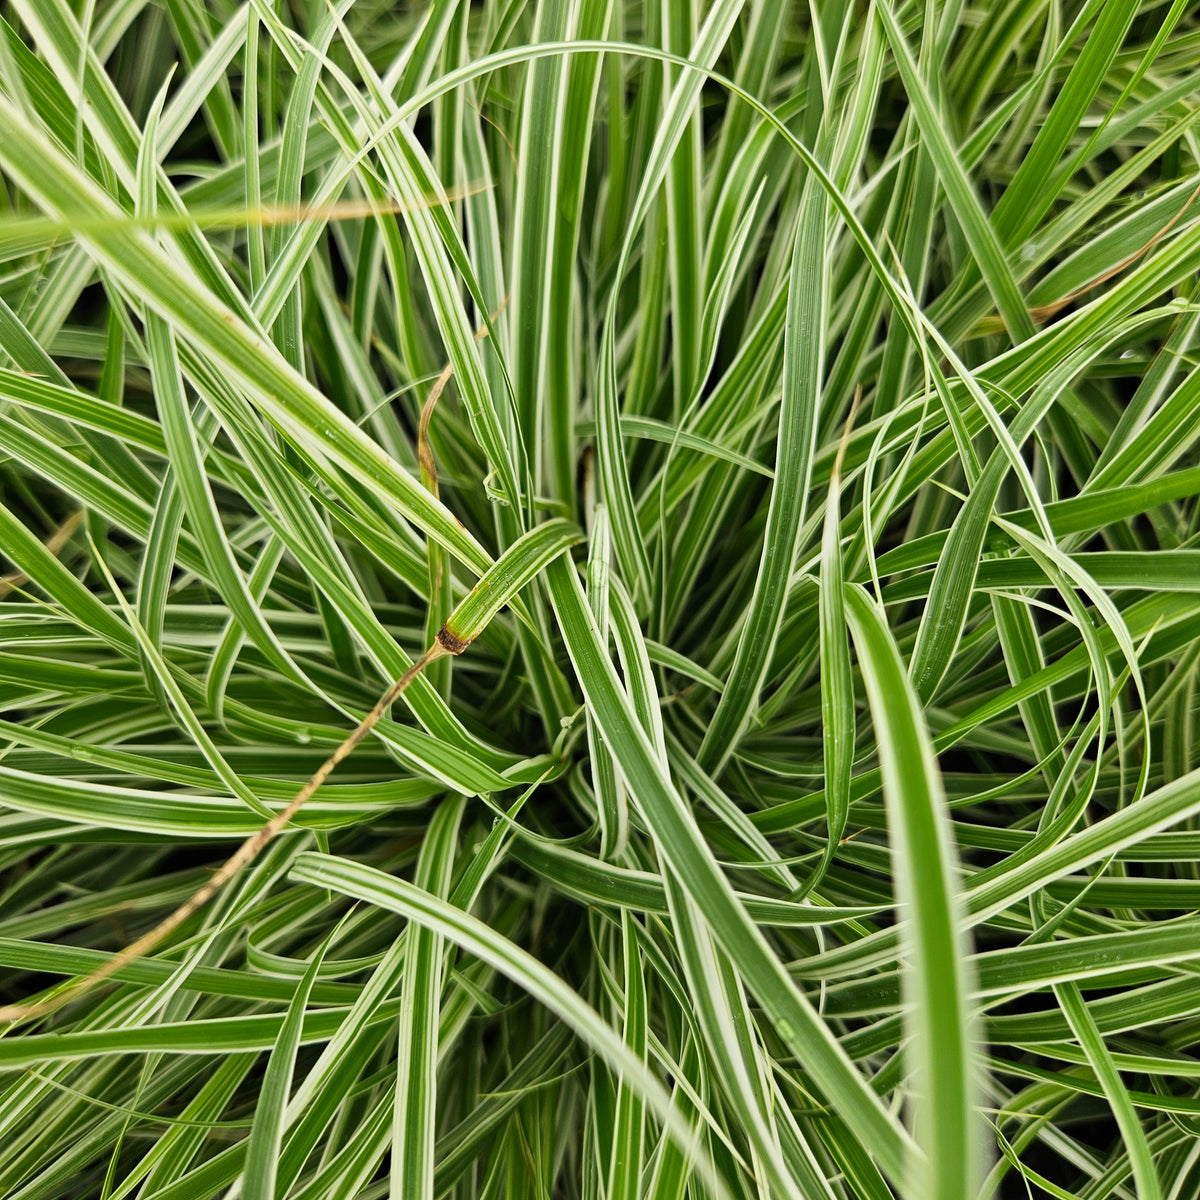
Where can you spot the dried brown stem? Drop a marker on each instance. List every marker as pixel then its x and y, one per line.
pixel 424 450
pixel 1045 311
pixel 54 543
pixel 242 857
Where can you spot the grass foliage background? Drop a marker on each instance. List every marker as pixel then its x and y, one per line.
pixel 815 389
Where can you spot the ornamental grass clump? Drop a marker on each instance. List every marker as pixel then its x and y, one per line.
pixel 600 600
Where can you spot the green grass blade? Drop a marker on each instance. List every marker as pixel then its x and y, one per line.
pixel 942 1055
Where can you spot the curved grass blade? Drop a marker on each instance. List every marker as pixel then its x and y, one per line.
pixel 937 987
pixel 266 1133
pixel 798 417
pixel 413 1124
pixel 680 841
pixel 476 938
